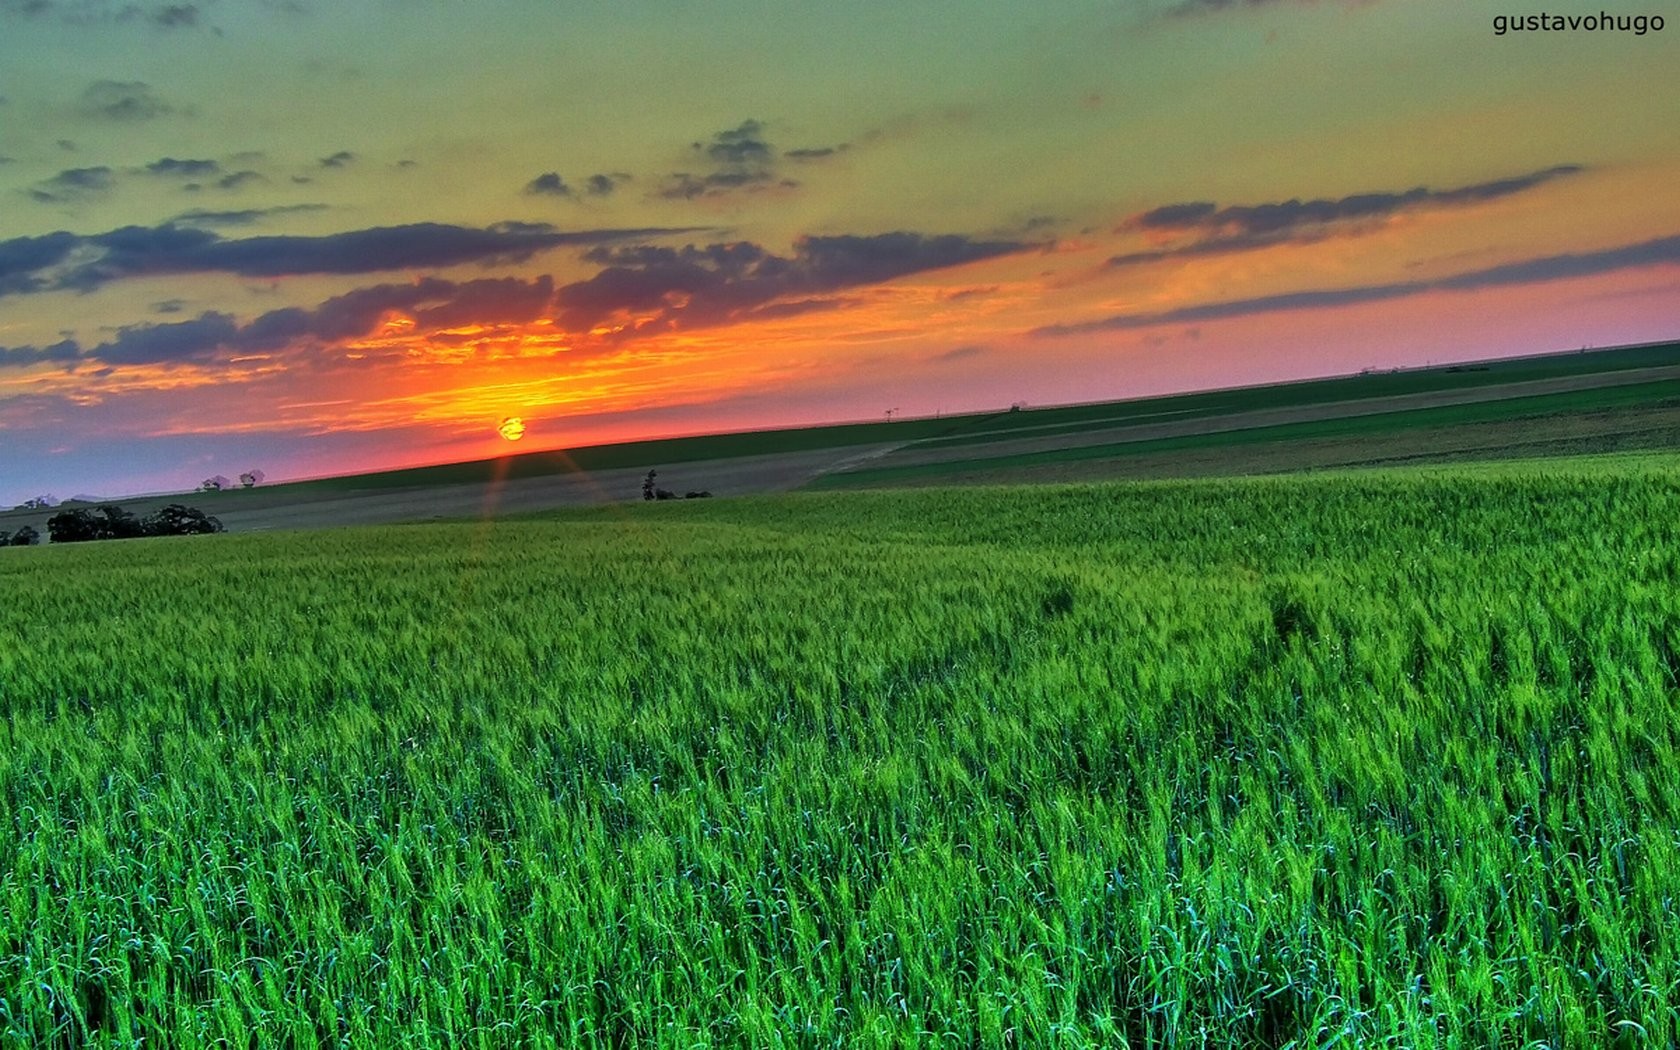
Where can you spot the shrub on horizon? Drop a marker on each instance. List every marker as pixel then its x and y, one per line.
pixel 111 522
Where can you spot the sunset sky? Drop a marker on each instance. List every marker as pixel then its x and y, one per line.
pixel 318 238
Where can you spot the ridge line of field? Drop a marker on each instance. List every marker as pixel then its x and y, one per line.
pixel 1347 408
pixel 1661 393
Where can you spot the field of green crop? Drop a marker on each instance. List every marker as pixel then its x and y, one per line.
pixel 1383 759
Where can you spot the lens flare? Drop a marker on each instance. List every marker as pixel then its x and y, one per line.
pixel 512 428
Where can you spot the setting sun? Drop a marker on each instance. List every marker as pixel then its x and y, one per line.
pixel 512 428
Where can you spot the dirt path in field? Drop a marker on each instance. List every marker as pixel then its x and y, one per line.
pixel 259 509
pixel 913 455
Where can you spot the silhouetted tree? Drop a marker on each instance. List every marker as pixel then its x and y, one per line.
pixel 180 520
pixel 73 526
pixel 25 537
pixel 111 522
pixel 650 491
pixel 118 524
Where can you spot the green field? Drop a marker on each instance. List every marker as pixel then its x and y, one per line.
pixel 1363 759
pixel 1540 411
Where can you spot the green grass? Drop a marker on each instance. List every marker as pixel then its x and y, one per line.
pixel 1382 759
pixel 1214 403
pixel 1657 394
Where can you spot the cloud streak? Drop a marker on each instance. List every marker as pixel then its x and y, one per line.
pixel 1191 8
pixel 124 101
pixel 1236 228
pixel 63 261
pixel 241 216
pixel 190 169
pixel 650 289
pixel 74 184
pixel 1662 251
pixel 93 12
pixel 432 303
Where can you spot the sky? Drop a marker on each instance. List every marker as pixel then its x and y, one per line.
pixel 311 238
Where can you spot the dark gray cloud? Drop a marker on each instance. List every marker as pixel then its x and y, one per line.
pixel 795 307
pixel 1663 251
pixel 122 100
pixel 73 184
pixel 65 352
pixel 1190 8
pixel 239 179
pixel 341 159
pixel 180 341
pixel 96 12
pixel 1215 230
pixel 25 261
pixel 82 263
pixel 212 337
pixel 548 184
pixel 176 16
pixel 816 152
pixel 685 185
pixel 739 160
pixel 742 145
pixel 191 169
pixel 240 217
pixel 602 184
pixel 697 286
pixel 686 287
pixel 433 303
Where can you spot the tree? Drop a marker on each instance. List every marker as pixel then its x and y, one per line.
pixel 73 526
pixel 25 537
pixel 118 524
pixel 111 522
pixel 180 520
pixel 251 478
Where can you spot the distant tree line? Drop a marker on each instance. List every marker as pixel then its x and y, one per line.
pixel 23 537
pixel 110 522
pixel 220 483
